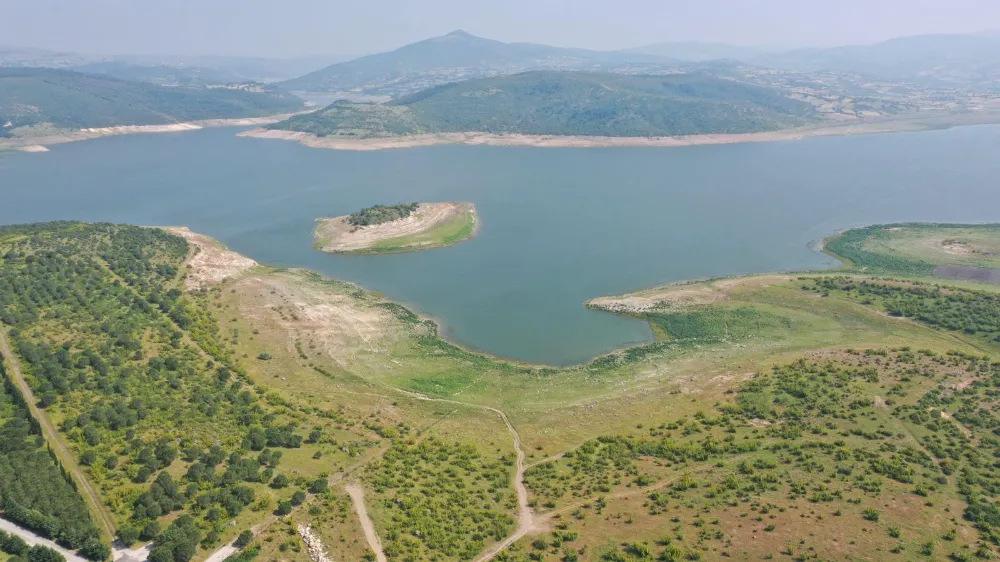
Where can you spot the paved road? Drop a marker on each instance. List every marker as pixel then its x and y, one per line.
pixel 33 539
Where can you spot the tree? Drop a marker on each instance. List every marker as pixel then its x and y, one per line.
pixel 39 553
pixel 284 508
pixel 150 531
pixel 95 550
pixel 244 539
pixel 128 534
pixel 318 486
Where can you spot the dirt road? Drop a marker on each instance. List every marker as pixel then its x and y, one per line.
pixel 526 520
pixel 358 498
pixel 100 514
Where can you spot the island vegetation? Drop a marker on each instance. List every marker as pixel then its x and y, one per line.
pixel 565 103
pixel 818 415
pixel 379 214
pixel 389 229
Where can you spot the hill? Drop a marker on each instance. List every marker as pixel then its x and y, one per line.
pixel 972 59
pixel 449 58
pixel 204 69
pixel 697 51
pixel 565 103
pixel 60 99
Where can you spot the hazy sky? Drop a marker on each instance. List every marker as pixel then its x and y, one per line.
pixel 299 27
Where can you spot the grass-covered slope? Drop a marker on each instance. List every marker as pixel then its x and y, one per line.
pixel 917 248
pixel 71 100
pixel 566 103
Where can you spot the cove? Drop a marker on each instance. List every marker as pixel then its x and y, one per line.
pixel 558 226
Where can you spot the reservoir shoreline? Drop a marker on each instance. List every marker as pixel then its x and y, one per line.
pixel 896 125
pixel 39 143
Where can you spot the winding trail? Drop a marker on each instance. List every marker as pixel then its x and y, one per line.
pixel 100 514
pixel 526 520
pixel 358 499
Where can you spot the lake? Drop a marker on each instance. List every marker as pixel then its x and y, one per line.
pixel 558 226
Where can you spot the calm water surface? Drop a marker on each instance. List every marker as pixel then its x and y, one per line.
pixel 559 226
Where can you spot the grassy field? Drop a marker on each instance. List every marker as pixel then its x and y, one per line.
pixel 812 416
pixel 451 232
pixel 916 248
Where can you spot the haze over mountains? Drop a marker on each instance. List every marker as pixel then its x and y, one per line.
pixel 455 56
pixel 971 60
pixel 963 60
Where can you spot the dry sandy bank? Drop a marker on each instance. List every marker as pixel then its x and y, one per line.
pixel 38 144
pixel 337 235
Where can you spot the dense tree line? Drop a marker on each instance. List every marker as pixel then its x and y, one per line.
pixel 35 492
pixel 381 213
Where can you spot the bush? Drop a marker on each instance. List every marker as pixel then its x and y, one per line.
pixel 244 539
pixel 318 486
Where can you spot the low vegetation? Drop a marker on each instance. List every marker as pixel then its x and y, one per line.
pixel 916 248
pixel 802 461
pixel 430 490
pixel 566 103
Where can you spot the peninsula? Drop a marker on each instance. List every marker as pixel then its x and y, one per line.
pixel 389 229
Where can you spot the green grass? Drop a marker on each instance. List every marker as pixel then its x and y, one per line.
pixel 454 231
pixel 914 249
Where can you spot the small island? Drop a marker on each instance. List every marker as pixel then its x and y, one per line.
pixel 390 229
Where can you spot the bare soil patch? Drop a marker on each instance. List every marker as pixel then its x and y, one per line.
pixel 678 297
pixel 338 235
pixel 213 262
pixel 330 322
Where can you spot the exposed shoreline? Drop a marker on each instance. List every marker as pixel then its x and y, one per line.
pixel 907 124
pixel 39 144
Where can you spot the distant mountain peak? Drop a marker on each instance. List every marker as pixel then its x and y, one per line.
pixel 462 34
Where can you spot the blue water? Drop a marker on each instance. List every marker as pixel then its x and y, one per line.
pixel 559 226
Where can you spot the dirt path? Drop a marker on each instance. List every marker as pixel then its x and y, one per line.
pixel 225 551
pixel 358 499
pixel 526 520
pixel 100 514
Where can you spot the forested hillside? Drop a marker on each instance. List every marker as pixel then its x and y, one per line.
pixel 566 103
pixel 136 377
pixel 70 100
